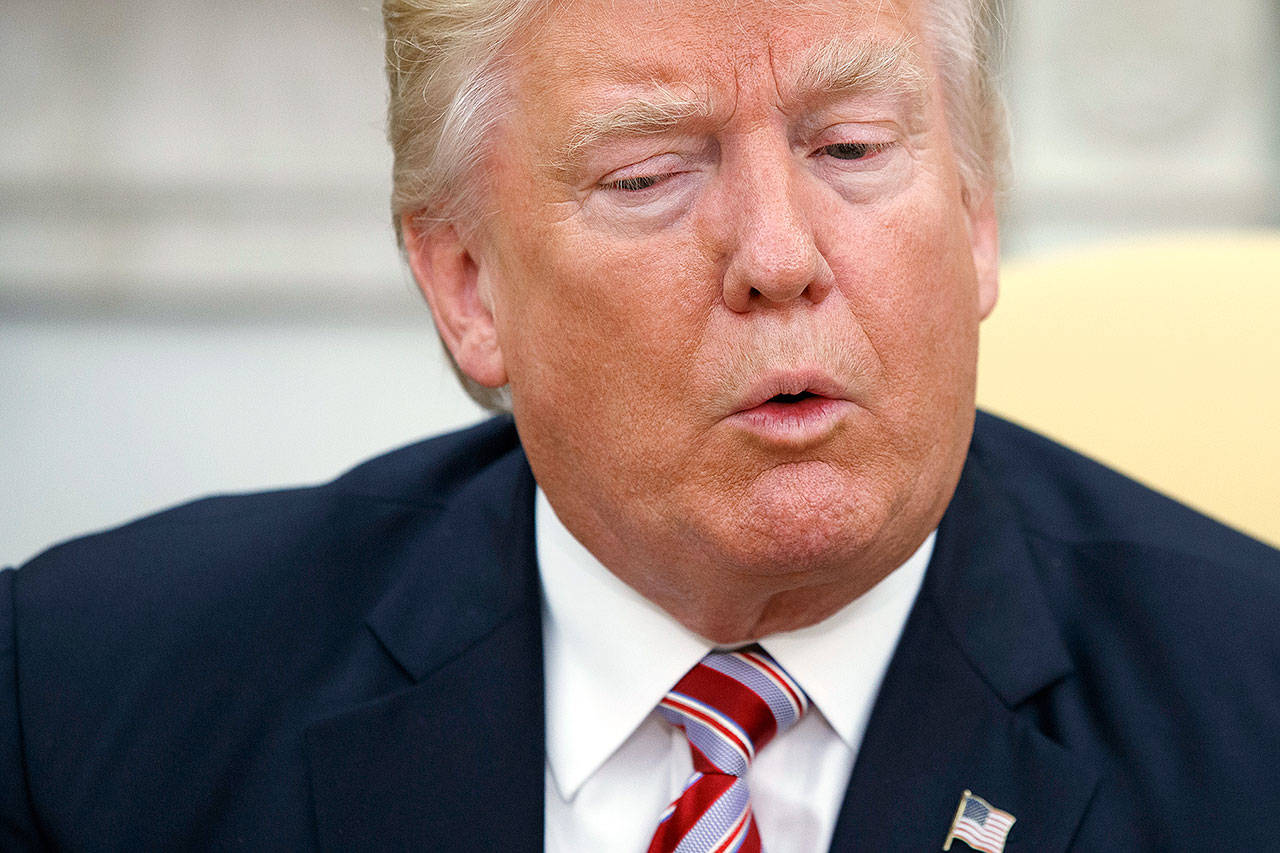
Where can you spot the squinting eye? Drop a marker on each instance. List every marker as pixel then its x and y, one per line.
pixel 633 185
pixel 850 150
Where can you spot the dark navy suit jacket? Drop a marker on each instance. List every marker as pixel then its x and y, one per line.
pixel 358 666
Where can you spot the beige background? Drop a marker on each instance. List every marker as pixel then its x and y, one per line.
pixel 1179 390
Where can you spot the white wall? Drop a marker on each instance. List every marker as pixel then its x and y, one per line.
pixel 199 289
pixel 1140 115
pixel 106 420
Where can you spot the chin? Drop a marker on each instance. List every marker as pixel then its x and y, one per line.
pixel 801 523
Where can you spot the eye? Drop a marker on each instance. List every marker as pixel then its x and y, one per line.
pixel 851 150
pixel 634 185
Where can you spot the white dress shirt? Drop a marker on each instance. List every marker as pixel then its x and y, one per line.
pixel 610 655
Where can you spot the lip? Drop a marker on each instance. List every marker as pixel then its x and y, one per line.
pixel 796 423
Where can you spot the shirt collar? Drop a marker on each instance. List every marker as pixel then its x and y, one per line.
pixel 610 654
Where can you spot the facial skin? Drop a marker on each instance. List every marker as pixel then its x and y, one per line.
pixel 648 280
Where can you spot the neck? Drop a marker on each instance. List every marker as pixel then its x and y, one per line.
pixel 730 606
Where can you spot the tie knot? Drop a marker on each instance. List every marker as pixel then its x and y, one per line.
pixel 732 704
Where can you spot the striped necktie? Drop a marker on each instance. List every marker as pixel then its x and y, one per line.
pixel 729 705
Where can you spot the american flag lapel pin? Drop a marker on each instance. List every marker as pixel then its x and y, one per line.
pixel 979 824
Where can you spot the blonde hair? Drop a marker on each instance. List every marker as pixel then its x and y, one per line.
pixel 967 37
pixel 446 82
pixel 447 87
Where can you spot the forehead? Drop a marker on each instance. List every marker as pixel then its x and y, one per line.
pixel 598 43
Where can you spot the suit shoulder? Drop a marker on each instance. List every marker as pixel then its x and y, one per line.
pixel 1064 495
pixel 1141 584
pixel 304 540
pixel 1168 618
pixel 166 661
pixel 431 471
pixel 424 474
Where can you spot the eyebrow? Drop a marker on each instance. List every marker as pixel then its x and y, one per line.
pixel 843 67
pixel 839 68
pixel 654 113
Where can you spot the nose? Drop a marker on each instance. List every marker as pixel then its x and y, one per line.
pixel 774 258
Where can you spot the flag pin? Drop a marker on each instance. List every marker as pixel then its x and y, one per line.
pixel 979 824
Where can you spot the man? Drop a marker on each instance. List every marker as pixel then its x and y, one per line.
pixel 728 261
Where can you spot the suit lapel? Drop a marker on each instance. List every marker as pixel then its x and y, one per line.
pixel 455 761
pixel 954 712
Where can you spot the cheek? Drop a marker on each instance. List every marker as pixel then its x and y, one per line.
pixel 586 318
pixel 911 284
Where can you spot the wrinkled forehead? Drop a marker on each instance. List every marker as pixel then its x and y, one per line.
pixel 700 41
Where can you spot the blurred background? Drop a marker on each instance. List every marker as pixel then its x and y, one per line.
pixel 199 288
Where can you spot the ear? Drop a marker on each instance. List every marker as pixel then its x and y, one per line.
pixel 984 240
pixel 456 286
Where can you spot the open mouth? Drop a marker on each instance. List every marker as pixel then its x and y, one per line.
pixel 792 398
pixel 796 404
pixel 793 409
pixel 793 405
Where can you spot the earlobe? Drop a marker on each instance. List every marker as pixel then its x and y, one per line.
pixel 984 239
pixel 455 285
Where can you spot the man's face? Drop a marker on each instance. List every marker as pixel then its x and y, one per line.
pixel 733 285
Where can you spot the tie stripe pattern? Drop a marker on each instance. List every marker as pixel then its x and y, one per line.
pixel 730 706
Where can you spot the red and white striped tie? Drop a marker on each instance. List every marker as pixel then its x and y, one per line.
pixel 730 705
